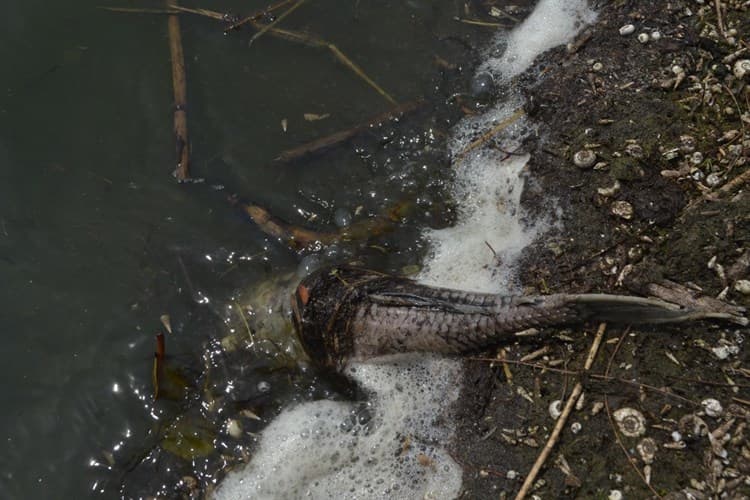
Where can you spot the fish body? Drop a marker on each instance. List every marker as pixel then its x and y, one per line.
pixel 344 313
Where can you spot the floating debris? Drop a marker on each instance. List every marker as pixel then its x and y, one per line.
pixel 312 117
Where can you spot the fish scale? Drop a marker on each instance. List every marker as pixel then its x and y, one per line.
pixel 345 313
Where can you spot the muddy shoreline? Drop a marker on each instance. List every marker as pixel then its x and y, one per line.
pixel 647 209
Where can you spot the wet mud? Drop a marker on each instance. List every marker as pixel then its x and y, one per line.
pixel 645 211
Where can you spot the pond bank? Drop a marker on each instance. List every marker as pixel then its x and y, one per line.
pixel 665 116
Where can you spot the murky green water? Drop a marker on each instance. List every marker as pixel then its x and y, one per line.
pixel 97 240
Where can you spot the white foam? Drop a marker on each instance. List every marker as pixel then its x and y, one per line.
pixel 552 23
pixel 314 451
pixel 310 451
pixel 481 250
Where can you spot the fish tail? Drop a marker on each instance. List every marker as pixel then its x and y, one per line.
pixel 626 309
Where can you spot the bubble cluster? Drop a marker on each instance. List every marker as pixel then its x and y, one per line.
pixel 393 447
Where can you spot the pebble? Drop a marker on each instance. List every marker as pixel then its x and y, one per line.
pixel 627 29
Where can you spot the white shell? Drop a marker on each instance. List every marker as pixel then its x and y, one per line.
pixel 555 409
pixel 656 35
pixel 575 427
pixel 741 68
pixel 634 150
pixel 647 449
pixel 712 407
pixel 742 286
pixel 630 421
pixel 611 190
pixel 584 158
pixel 234 428
pixel 643 37
pixel 687 143
pixel 713 180
pixel 627 29
pixel 615 495
pixel 622 209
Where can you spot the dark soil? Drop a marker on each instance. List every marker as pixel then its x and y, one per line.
pixel 679 223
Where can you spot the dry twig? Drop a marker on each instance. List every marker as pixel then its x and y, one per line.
pixel 490 134
pixel 612 422
pixel 562 419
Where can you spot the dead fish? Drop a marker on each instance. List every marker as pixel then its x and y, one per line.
pixel 346 313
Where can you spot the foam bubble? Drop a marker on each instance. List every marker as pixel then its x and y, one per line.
pixel 391 448
pixel 552 23
pixel 481 250
pixel 336 449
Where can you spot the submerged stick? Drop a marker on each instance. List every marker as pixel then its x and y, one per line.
pixel 563 418
pixel 358 71
pixel 319 145
pixel 275 22
pixel 300 238
pixel 295 237
pixel 179 88
pixel 173 9
pixel 313 41
pixel 158 364
pixel 256 16
pixel 490 133
pixel 133 10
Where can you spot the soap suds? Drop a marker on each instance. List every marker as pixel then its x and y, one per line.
pixel 388 448
pixel 480 251
pixel 394 444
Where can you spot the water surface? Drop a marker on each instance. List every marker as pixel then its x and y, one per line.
pixel 97 240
